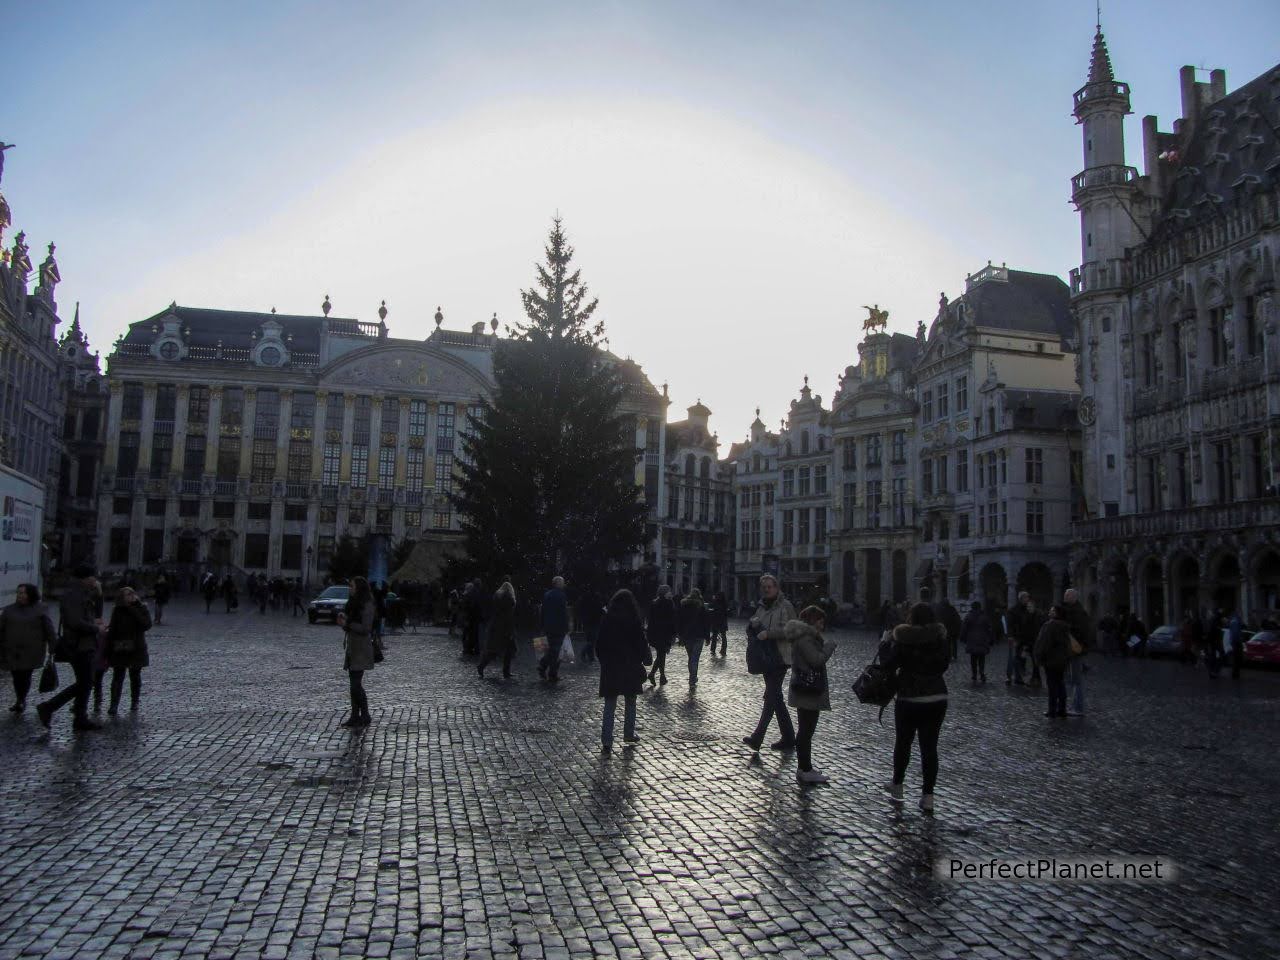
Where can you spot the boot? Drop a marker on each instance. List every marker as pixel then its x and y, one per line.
pixel 353 720
pixel 365 719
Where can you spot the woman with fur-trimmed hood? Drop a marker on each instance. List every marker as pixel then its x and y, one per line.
pixel 919 653
pixel 809 692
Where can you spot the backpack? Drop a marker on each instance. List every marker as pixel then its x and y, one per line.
pixel 876 685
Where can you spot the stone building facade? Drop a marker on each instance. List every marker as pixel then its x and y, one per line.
pixel 873 502
pixel 31 398
pixel 1180 358
pixel 996 440
pixel 697 533
pixel 254 441
pixel 754 466
pixel 84 390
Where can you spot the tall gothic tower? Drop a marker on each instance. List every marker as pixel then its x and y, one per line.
pixel 1104 193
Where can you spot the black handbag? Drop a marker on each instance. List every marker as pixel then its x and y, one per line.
pixel 49 678
pixel 809 681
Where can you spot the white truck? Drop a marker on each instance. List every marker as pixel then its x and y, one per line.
pixel 21 521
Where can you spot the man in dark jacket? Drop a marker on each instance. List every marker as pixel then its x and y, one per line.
pixel 80 628
pixel 555 624
pixel 1081 625
pixel 949 617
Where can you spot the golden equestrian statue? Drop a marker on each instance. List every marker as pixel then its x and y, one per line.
pixel 876 318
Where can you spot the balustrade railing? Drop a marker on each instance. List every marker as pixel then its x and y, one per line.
pixel 1243 514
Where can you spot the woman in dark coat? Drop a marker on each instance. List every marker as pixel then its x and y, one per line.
pixel 127 646
pixel 26 639
pixel 501 641
pixel 357 640
pixel 662 629
pixel 919 653
pixel 163 592
pixel 623 653
pixel 978 637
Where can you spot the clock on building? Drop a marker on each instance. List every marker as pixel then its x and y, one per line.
pixel 169 350
pixel 269 356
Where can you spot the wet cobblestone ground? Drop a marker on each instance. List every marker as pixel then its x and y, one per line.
pixel 233 817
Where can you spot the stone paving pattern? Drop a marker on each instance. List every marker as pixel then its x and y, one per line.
pixel 234 818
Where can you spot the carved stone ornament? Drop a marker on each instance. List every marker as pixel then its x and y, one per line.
pixel 1087 412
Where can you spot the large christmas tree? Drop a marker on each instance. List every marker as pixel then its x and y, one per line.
pixel 548 477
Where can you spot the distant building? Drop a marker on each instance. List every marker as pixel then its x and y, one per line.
pixel 755 486
pixel 1179 357
pixel 874 493
pixel 254 441
pixel 997 440
pixel 697 531
pixel 84 389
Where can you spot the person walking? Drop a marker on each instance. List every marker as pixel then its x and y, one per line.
pixel 623 653
pixel 554 618
pixel 127 647
pixel 209 587
pixel 1235 636
pixel 719 623
pixel 27 639
pixel 80 630
pixel 1213 652
pixel 357 641
pixel 662 629
pixel 501 641
pixel 768 626
pixel 229 593
pixel 1082 630
pixel 1053 652
pixel 919 652
pixel 978 636
pixel 949 617
pixel 163 591
pixel 809 692
pixel 693 624
pixel 1024 626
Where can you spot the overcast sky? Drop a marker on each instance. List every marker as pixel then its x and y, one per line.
pixel 738 178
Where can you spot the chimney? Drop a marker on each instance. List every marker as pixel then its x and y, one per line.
pixel 1187 83
pixel 1217 85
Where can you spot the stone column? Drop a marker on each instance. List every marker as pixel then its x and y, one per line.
pixel 148 432
pixel 283 434
pixel 246 438
pixel 402 443
pixel 375 441
pixel 319 429
pixel 348 431
pixel 178 455
pixel 213 431
pixel 111 450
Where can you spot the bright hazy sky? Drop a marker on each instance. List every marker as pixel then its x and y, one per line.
pixel 737 177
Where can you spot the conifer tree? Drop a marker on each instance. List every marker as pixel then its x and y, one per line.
pixel 547 480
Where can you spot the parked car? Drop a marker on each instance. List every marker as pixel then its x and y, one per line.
pixel 1164 641
pixel 1263 647
pixel 329 604
pixel 1245 637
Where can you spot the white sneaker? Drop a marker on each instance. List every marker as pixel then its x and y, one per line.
pixel 895 792
pixel 926 802
pixel 810 776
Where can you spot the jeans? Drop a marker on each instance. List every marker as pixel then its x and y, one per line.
pixel 1075 678
pixel 1057 686
pixel 774 705
pixel 978 664
pixel 22 684
pixel 807 721
pixel 628 718
pixel 922 720
pixel 359 699
pixel 78 690
pixel 1013 665
pixel 588 653
pixel 694 649
pixel 659 664
pixel 117 685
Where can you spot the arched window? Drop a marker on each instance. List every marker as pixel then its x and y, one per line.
pixel 705 469
pixel 1175 350
pixel 755 463
pixel 690 468
pixel 822 442
pixel 804 441
pixel 1219 319
pixel 787 448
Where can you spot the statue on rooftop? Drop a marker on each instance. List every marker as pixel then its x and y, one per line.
pixel 876 318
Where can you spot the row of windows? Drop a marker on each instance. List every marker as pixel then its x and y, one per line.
pixel 796 483
pixel 872 447
pixel 1166 481
pixel 935 401
pixel 1220 321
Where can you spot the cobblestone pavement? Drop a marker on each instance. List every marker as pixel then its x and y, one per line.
pixel 234 818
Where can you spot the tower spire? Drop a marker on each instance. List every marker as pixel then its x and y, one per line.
pixel 1100 60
